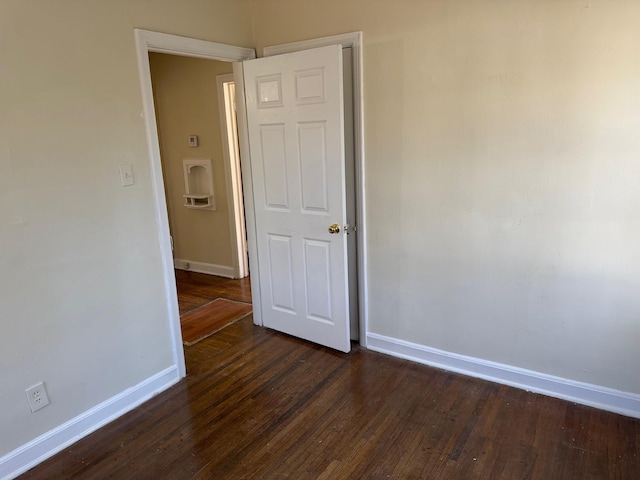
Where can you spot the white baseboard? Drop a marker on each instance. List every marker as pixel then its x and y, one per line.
pixel 596 396
pixel 50 443
pixel 201 267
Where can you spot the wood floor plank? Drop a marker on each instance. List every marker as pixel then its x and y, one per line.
pixel 211 317
pixel 197 289
pixel 257 404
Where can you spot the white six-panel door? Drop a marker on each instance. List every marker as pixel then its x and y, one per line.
pixel 295 122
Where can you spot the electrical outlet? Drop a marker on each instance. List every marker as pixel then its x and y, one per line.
pixel 37 397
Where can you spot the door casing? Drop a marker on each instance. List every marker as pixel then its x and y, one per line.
pixel 231 154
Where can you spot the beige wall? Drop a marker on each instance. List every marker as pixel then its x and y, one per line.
pixel 502 175
pixel 186 101
pixel 81 290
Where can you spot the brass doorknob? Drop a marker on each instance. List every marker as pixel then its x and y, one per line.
pixel 335 228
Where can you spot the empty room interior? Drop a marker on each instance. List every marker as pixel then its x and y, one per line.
pixel 438 204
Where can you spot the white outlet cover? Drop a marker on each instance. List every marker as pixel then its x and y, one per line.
pixel 37 397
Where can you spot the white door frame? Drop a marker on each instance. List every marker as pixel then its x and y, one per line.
pixel 231 154
pixel 147 41
pixel 353 40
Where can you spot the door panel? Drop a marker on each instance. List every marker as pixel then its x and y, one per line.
pixel 281 273
pixel 296 138
pixel 317 264
pixel 274 166
pixel 313 167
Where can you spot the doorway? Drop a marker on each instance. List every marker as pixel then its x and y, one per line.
pixel 197 131
pixel 155 42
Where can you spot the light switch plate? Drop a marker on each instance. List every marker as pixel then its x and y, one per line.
pixel 126 175
pixel 193 140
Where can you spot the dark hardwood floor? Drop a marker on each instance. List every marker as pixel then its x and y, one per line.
pixel 262 405
pixel 196 289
